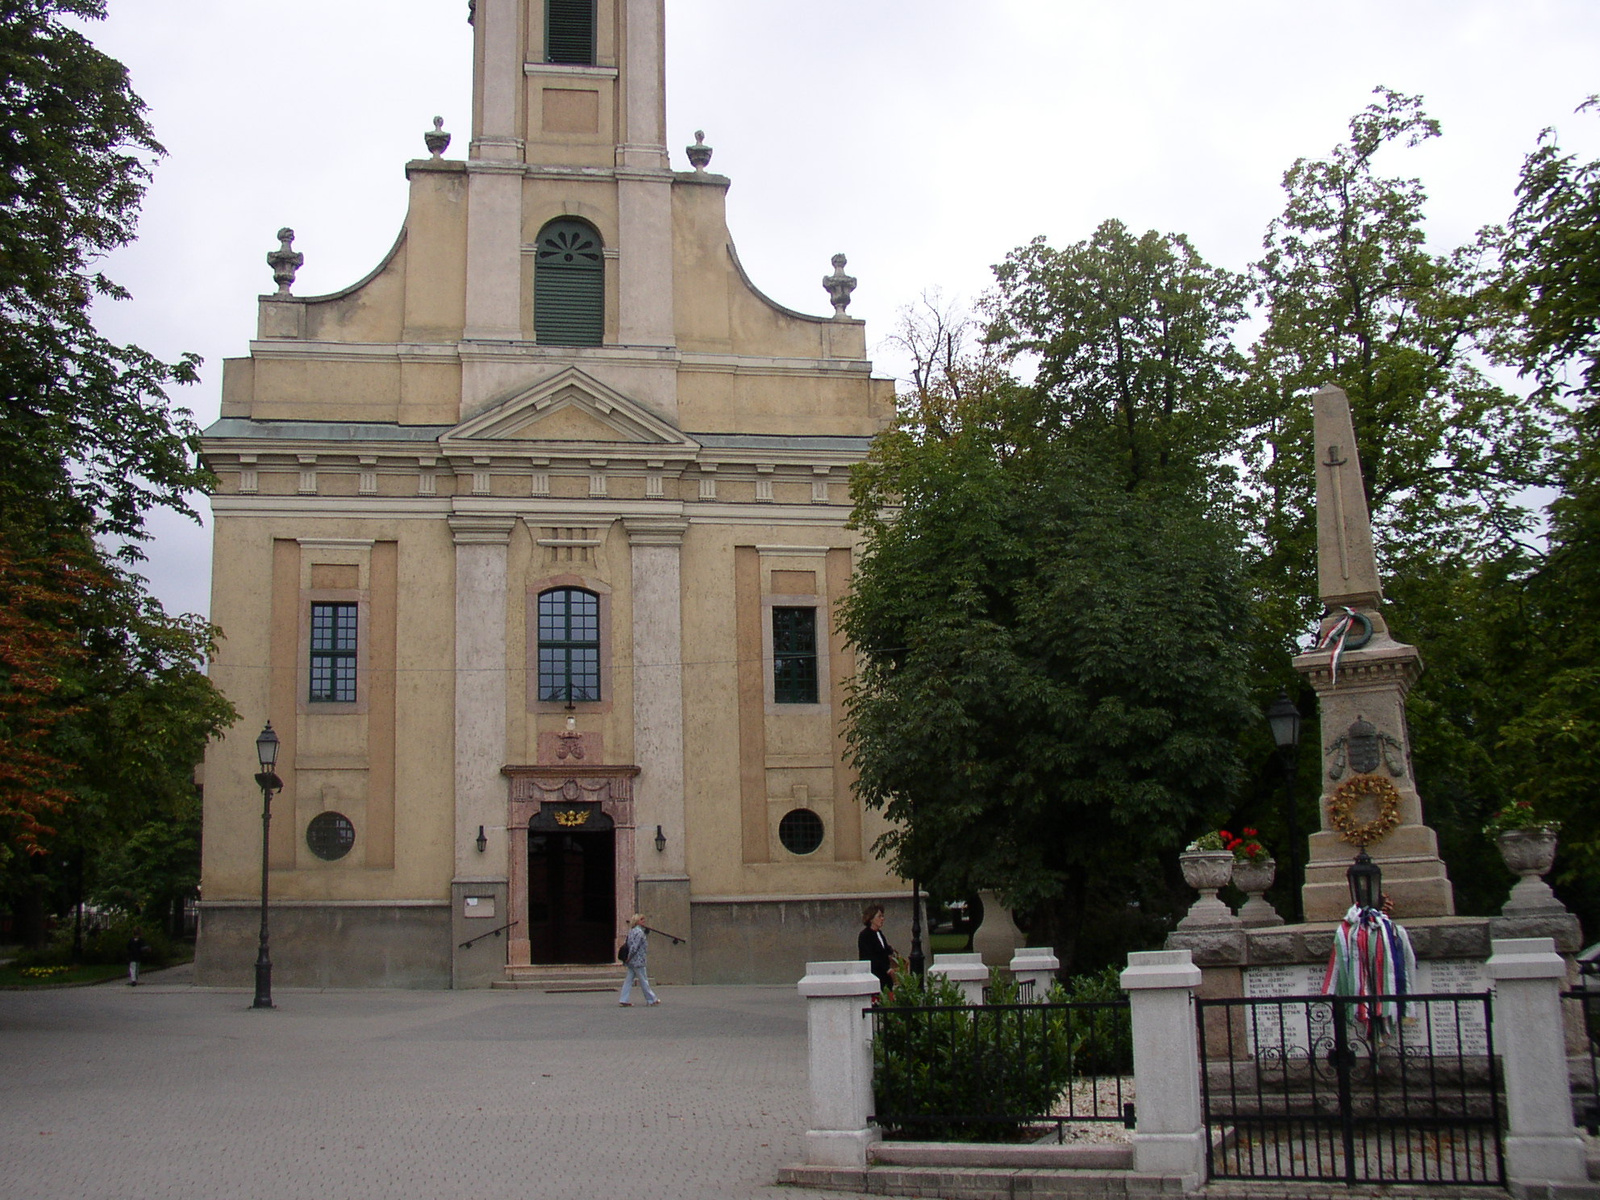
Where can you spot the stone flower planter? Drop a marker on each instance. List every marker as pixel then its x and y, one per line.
pixel 1207 871
pixel 1529 853
pixel 1254 878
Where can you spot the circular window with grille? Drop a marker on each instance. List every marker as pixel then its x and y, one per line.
pixel 330 835
pixel 800 831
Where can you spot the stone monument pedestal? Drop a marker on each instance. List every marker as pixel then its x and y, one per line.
pixel 1413 874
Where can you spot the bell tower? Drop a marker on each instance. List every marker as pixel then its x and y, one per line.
pixel 569 120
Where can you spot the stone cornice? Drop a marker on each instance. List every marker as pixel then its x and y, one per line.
pixel 1391 666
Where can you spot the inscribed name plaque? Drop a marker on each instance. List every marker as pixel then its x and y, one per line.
pixel 1295 1026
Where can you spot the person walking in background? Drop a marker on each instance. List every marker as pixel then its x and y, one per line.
pixel 874 948
pixel 638 945
pixel 136 952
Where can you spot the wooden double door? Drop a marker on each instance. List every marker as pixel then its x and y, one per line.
pixel 572 907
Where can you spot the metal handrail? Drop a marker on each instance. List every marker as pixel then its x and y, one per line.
pixel 467 945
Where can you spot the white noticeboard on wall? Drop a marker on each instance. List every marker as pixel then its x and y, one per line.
pixel 1291 1029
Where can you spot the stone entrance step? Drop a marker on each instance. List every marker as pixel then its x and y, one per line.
pixel 586 977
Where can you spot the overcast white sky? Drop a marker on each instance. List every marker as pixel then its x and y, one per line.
pixel 924 138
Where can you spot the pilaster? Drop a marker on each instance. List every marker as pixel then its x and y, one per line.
pixel 481 543
pixel 656 558
pixel 497 47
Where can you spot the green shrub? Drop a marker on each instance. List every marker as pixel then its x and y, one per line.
pixel 994 1069
pixel 108 946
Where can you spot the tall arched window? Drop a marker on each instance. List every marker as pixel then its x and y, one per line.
pixel 569 32
pixel 569 291
pixel 569 645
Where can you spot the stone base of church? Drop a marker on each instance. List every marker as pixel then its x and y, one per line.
pixel 665 905
pixel 770 940
pixel 326 944
pixel 737 940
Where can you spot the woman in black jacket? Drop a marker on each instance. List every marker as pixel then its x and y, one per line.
pixel 874 948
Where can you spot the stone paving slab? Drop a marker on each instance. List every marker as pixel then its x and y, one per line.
pixel 172 1092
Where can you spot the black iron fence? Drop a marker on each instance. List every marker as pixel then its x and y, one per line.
pixel 1352 1089
pixel 1586 1081
pixel 1001 1072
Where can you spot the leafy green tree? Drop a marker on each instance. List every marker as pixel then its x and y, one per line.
pixel 1353 296
pixel 1049 686
pixel 104 705
pixel 1552 289
pixel 1132 338
pixel 87 439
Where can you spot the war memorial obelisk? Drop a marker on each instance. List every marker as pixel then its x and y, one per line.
pixel 1361 676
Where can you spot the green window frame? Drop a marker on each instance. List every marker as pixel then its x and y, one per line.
pixel 794 655
pixel 569 646
pixel 569 285
pixel 333 653
pixel 569 32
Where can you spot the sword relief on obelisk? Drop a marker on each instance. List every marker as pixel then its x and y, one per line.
pixel 1347 570
pixel 1333 464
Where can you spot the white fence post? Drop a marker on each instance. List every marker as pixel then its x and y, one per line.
pixel 1169 1133
pixel 839 1041
pixel 966 971
pixel 1542 1145
pixel 1036 966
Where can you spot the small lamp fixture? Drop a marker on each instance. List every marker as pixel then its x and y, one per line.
pixel 661 840
pixel 1283 718
pixel 483 842
pixel 267 749
pixel 1366 881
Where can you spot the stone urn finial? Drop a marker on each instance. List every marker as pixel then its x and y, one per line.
pixel 1207 872
pixel 1529 854
pixel 285 261
pixel 699 153
pixel 839 286
pixel 436 139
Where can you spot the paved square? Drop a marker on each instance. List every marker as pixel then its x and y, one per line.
pixel 171 1091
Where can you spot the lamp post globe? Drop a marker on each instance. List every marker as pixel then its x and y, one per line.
pixel 268 781
pixel 1283 718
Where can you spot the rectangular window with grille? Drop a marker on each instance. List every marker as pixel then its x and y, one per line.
pixel 569 645
pixel 569 32
pixel 333 653
pixel 794 655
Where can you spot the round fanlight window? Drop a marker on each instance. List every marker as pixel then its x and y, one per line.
pixel 800 831
pixel 330 835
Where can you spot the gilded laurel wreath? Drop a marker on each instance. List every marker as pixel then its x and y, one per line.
pixel 1342 805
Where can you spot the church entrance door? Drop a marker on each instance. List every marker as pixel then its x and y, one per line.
pixel 572 914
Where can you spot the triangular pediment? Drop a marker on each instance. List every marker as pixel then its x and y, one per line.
pixel 570 408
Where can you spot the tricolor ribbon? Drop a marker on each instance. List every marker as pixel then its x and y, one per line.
pixel 1372 957
pixel 1334 639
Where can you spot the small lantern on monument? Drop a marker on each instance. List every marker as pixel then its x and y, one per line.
pixel 1366 881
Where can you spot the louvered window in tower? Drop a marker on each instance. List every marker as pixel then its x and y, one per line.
pixel 569 32
pixel 569 294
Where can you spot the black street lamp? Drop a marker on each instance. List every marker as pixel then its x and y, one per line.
pixel 1283 718
pixel 918 962
pixel 268 781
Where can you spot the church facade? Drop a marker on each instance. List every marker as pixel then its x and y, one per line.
pixel 528 545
